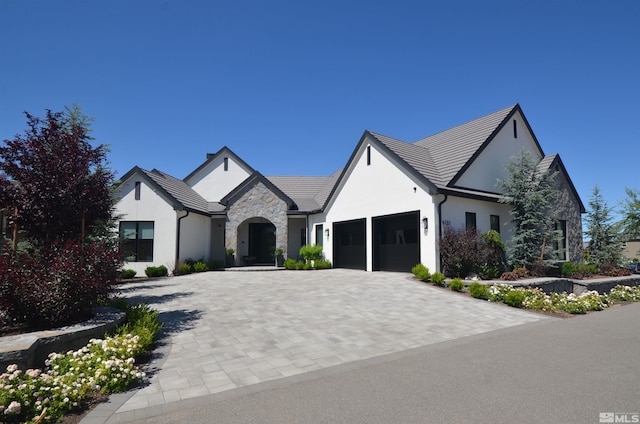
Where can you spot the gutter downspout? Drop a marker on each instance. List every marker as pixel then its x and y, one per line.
pixel 178 223
pixel 446 196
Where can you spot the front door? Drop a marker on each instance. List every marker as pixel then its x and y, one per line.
pixel 262 242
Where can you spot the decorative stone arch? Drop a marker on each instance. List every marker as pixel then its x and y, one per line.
pixel 255 202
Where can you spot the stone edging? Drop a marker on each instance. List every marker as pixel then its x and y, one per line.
pixel 559 285
pixel 30 350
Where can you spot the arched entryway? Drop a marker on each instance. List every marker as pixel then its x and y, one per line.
pixel 257 241
pixel 262 242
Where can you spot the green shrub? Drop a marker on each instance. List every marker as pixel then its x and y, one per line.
pixel 515 298
pixel 438 278
pixel 299 265
pixel 230 252
pixel 321 264
pixel 156 271
pixel 200 266
pixel 479 291
pixel 127 274
pixel 184 268
pixel 456 284
pixel 311 252
pixel 141 321
pixel 421 272
pixel 289 264
pixel 568 268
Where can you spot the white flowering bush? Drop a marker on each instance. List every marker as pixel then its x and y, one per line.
pixel 497 292
pixel 625 294
pixel 106 365
pixel 535 298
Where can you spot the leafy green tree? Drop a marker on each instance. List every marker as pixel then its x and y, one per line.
pixel 57 182
pixel 533 195
pixel 605 247
pixel 631 214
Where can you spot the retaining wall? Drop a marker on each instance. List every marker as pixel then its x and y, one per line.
pixel 30 350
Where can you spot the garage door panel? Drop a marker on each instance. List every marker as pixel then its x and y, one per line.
pixel 349 245
pixel 396 245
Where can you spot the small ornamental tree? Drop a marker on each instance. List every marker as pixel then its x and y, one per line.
pixel 463 251
pixel 533 195
pixel 605 246
pixel 54 180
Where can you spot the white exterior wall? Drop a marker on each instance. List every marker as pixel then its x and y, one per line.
pixel 381 188
pixel 213 183
pixel 455 208
pixel 489 166
pixel 151 207
pixel 194 237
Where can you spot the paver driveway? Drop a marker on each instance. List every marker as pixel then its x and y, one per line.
pixel 225 330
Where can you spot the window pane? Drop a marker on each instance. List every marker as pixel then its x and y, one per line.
pixel 146 230
pixel 128 230
pixel 495 223
pixel 319 234
pixel 128 249
pixel 145 250
pixel 470 218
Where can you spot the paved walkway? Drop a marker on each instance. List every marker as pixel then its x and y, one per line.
pixel 231 330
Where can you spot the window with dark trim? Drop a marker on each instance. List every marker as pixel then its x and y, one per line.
pixel 303 236
pixel 136 240
pixel 137 190
pixel 515 129
pixel 368 155
pixel 319 231
pixel 470 220
pixel 560 243
pixel 226 164
pixel 494 222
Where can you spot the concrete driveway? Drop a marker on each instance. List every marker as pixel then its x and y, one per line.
pixel 226 331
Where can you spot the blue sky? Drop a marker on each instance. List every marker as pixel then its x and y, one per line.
pixel 290 86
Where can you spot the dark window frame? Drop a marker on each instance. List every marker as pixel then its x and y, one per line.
pixel 560 243
pixel 470 220
pixel 137 188
pixel 141 249
pixel 494 222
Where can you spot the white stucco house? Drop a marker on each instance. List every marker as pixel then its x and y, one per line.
pixel 384 210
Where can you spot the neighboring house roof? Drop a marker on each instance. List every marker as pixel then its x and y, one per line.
pixel 179 193
pixel 309 193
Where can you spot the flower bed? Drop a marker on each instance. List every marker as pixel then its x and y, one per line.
pixel 535 298
pixel 105 365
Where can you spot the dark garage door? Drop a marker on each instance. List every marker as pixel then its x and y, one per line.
pixel 396 242
pixel 349 244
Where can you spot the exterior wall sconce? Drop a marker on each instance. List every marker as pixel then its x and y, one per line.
pixel 425 223
pixel 326 232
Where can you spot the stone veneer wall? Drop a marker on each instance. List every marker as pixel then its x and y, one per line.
pixel 256 201
pixel 570 211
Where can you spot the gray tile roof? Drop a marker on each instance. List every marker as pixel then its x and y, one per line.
pixel 309 193
pixel 452 149
pixel 179 190
pixel 417 157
